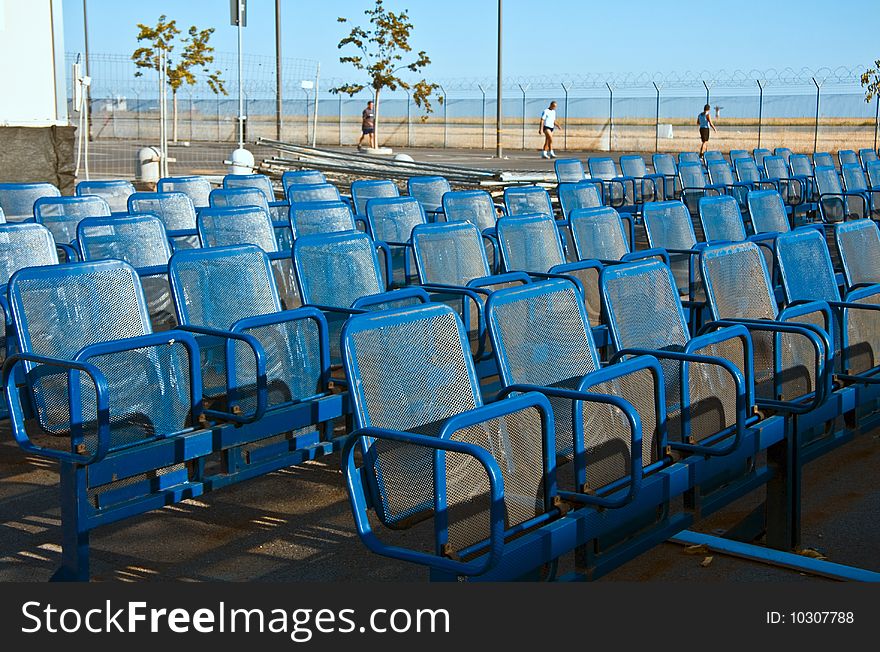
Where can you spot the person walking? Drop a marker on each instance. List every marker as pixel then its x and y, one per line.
pixel 705 121
pixel 546 127
pixel 368 126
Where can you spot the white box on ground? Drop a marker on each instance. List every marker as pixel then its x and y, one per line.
pixel 664 131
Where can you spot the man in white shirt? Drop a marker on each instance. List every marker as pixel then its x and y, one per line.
pixel 548 124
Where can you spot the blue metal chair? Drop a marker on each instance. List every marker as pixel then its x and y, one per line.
pixel 823 159
pixel 867 155
pixel 722 222
pixel 277 208
pixel 758 154
pixel 835 204
pixel 527 200
pixel 619 191
pixel 855 181
pixel 689 157
pixel 721 174
pixel 767 212
pixel 712 155
pixel 847 157
pixel 299 193
pixel 197 188
pixel 476 207
pixel 568 170
pixel 738 153
pixel 429 192
pixel 785 153
pixel 858 242
pixel 310 217
pixel 391 220
pixel 582 194
pixel 648 187
pixel 431 450
pixel 747 171
pixel 176 211
pixel 363 190
pixel 62 214
pixel 695 184
pixel 665 166
pixel 872 169
pixel 140 241
pixel 244 195
pixel 17 199
pixel 802 168
pixel 300 177
pixel 793 190
pixel 598 234
pixel 115 192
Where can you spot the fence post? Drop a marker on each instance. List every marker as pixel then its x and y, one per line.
pixel 137 99
pixel 565 112
pixel 707 90
pixel 315 111
pixel 483 119
pixel 610 116
pixel 408 117
pixel 876 118
pixel 339 96
pixel 657 119
pixel 816 129
pixel 218 117
pixel 760 109
pixel 445 117
pixel 523 89
pixel 190 117
pixel 308 98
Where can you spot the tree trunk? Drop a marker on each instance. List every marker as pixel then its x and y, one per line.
pixel 376 118
pixel 174 116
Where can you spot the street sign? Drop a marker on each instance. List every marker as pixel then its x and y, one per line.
pixel 234 6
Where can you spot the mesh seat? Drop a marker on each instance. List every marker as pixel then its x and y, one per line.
pixel 823 159
pixel 258 181
pixel 525 200
pixel 688 157
pixel 784 152
pixel 664 165
pixel 195 187
pixel 364 190
pixel 245 195
pixel 474 206
pixel 847 157
pixel 721 219
pixel 747 170
pixel 140 241
pixel 617 193
pixel 573 196
pixel 694 184
pixel 225 287
pixel 17 199
pixel 759 154
pixel 568 170
pixel 649 186
pixel 299 193
pixel 872 169
pixel 776 169
pixel 668 226
pixel 391 220
pixel 855 181
pixel 115 192
pixel 712 155
pixel 61 215
pixel 867 155
pixel 428 191
pixel 767 212
pixel 738 153
pixel 176 211
pixel 858 242
pixel 721 174
pixel 300 177
pixel 311 217
pixel 835 204
pixel 598 234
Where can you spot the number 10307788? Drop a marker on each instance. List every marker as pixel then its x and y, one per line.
pixel 810 617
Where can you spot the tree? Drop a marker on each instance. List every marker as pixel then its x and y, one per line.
pixel 196 53
pixel 382 47
pixel 871 79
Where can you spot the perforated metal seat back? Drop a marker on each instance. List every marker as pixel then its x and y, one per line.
pixel 800 165
pixel 872 169
pixel 392 219
pixel 807 272
pixel 238 196
pixel 568 170
pixel 828 182
pixel 824 159
pixel 17 199
pixel 526 200
pixel 664 164
pixel 692 175
pixel 598 234
pixel 738 153
pixel 854 177
pixel 737 282
pixel 474 206
pixel 175 209
pixel 784 152
pixel 602 168
pixel 258 181
pixel 633 166
pixel 336 269
pixel 2 217
pixel 300 177
pixel 859 244
pixel 61 215
pixel 721 219
pixel 720 172
pixel 308 218
pixel 767 212
pixel 747 170
pixel 775 167
pixel 759 154
pixel 364 190
pixel 428 191
pixel 223 227
pixel 712 155
pixel 573 196
pixel 668 225
pixel 688 157
pixel 867 155
pixel 847 157
pixel 139 240
pixel 59 310
pixel 195 187
pixel 24 245
pixel 311 192
pixel 529 243
pixel 449 253
pixel 115 192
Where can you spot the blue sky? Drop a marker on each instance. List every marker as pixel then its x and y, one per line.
pixel 540 37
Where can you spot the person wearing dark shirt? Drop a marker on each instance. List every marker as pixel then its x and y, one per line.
pixel 368 125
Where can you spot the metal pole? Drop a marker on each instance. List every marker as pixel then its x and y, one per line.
pixel 876 119
pixel 88 74
pixel 218 118
pixel 278 100
pixel 707 91
pixel 498 115
pixel 816 130
pixel 240 80
pixel 523 89
pixel 164 164
pixel 408 120
pixel 190 117
pixel 445 117
pixel 315 113
pixel 657 120
pixel 610 116
pixel 483 120
pixel 307 117
pixel 137 98
pixel 760 109
pixel 340 118
pixel 565 133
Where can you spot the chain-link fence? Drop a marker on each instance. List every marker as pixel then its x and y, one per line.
pixel 804 110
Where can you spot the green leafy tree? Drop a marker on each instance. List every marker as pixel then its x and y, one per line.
pixel 871 80
pixel 196 53
pixel 383 54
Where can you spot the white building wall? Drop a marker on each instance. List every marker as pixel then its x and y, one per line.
pixel 32 76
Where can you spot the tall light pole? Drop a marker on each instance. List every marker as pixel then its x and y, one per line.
pixel 88 74
pixel 239 20
pixel 278 99
pixel 498 118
